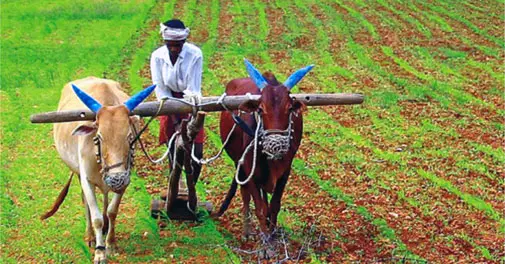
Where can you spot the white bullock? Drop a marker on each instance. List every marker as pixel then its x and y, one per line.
pixel 100 152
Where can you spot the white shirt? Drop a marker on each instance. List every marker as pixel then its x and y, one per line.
pixel 185 76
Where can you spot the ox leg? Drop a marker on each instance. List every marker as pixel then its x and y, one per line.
pixel 105 227
pixel 264 195
pixel 90 234
pixel 268 251
pixel 246 214
pixel 260 207
pixel 275 202
pixel 96 218
pixel 89 237
pixel 112 211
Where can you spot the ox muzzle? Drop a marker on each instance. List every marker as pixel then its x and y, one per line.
pixel 116 181
pixel 276 143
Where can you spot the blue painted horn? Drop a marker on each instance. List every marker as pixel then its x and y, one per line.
pixel 255 75
pixel 135 100
pixel 91 103
pixel 297 76
pixel 94 105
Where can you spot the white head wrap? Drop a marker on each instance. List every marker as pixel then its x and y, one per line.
pixel 168 33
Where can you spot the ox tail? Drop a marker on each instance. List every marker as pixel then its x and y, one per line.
pixel 227 200
pixel 59 200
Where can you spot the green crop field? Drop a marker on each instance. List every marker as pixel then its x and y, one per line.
pixel 415 174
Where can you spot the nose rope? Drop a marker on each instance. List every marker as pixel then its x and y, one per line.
pixel 137 136
pixel 106 168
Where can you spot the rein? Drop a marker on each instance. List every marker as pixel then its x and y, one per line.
pixel 137 137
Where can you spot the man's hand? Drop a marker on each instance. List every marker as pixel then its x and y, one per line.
pixel 192 97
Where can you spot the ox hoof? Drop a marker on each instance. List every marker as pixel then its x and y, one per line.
pixel 268 253
pixel 215 215
pixel 268 250
pixel 100 257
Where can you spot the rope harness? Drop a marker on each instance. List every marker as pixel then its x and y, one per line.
pixel 275 143
pixel 254 143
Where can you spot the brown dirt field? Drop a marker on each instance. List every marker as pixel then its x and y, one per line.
pixel 426 233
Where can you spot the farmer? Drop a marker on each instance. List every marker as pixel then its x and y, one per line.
pixel 176 69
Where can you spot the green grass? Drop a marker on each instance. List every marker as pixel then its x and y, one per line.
pixel 35 67
pixel 497 40
pixel 475 202
pixel 407 17
pixel 27 191
pixel 359 17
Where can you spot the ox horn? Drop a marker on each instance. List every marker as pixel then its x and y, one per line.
pixel 135 100
pixel 89 101
pixel 255 75
pixel 297 76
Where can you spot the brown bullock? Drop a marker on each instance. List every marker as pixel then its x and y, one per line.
pixel 276 120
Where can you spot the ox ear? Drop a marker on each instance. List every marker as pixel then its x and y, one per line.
pixel 89 101
pixel 135 100
pixel 255 75
pixel 83 130
pixel 249 106
pixel 297 76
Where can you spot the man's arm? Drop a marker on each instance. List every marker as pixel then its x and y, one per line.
pixel 156 76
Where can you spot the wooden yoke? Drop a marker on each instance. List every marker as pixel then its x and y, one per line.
pixel 208 104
